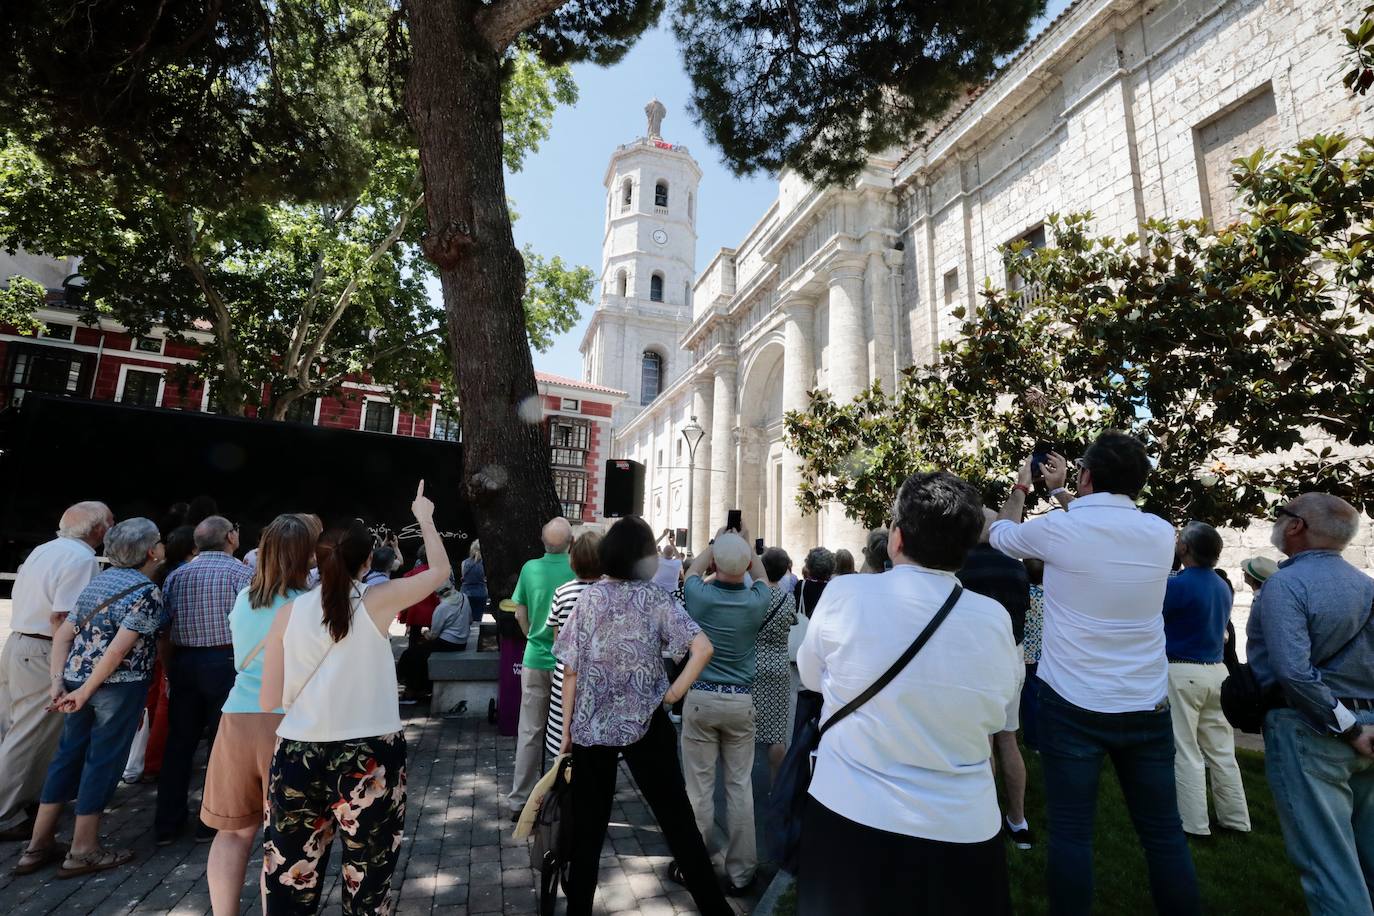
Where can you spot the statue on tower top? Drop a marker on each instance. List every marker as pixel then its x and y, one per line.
pixel 655 112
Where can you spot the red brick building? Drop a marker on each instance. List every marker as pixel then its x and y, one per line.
pixel 105 362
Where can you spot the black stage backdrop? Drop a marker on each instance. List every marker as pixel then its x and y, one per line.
pixel 55 451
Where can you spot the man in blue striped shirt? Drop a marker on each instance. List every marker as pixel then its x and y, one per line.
pixel 1311 633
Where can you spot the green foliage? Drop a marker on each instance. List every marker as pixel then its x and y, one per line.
pixel 215 103
pixel 20 297
pixel 297 295
pixel 1244 357
pixel 818 85
pixel 532 92
pixel 1360 51
pixel 552 293
pixel 600 31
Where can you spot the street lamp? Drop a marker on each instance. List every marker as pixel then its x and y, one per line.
pixel 693 433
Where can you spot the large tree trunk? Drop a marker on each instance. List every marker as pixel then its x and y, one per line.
pixel 453 96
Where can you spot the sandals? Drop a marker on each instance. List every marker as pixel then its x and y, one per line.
pixel 100 860
pixel 38 859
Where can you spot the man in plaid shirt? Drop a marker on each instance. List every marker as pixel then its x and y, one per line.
pixel 198 597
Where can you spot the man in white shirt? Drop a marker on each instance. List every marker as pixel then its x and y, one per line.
pixel 903 814
pixel 46 590
pixel 1103 671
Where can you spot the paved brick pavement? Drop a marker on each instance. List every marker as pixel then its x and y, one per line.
pixel 458 856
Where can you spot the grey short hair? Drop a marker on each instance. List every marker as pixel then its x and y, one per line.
pixel 127 544
pixel 1329 517
pixel 1203 542
pixel 820 563
pixel 213 533
pixel 83 518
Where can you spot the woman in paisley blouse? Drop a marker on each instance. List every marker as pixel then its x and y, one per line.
pixel 102 659
pixel 615 687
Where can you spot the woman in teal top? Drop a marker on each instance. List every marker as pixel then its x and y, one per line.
pixel 236 781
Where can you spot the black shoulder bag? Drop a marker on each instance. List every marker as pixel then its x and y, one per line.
pixel 788 799
pixel 1244 702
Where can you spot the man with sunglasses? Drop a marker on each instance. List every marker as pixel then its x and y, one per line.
pixel 1311 633
pixel 198 597
pixel 1103 672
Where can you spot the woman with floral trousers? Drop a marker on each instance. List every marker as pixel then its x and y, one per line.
pixel 340 763
pixel 355 789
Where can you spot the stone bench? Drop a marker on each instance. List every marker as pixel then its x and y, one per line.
pixel 464 681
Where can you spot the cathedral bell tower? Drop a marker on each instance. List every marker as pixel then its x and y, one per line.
pixel 648 265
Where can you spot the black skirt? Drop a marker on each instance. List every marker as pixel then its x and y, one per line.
pixel 847 868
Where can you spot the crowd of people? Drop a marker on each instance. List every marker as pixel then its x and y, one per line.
pixel 1094 631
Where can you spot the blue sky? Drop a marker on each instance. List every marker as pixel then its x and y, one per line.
pixel 559 195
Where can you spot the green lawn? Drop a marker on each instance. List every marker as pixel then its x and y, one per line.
pixel 1239 873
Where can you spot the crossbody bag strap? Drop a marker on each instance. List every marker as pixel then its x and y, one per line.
pixel 1346 645
pixel 253 654
pixel 900 663
pixel 356 596
pixel 111 600
pixel 782 599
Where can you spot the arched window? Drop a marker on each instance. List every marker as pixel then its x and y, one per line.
pixel 622 283
pixel 691 208
pixel 650 376
pixel 656 287
pixel 626 193
pixel 687 293
pixel 661 194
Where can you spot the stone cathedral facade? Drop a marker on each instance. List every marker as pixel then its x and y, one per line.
pixel 1129 109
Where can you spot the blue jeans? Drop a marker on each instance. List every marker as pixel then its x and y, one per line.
pixel 95 746
pixel 1324 792
pixel 1073 742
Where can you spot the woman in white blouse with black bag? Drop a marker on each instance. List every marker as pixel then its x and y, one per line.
pixel 340 763
pixel 902 816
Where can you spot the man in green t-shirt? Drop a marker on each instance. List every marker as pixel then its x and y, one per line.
pixel 533 596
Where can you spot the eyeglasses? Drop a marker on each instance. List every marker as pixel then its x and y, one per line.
pixel 1280 512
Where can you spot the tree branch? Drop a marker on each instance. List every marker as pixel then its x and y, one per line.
pixel 346 296
pixel 223 324
pixel 302 329
pixel 501 22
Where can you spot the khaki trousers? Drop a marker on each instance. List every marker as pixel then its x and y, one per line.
pixel 1203 740
pixel 536 686
pixel 29 734
pixel 722 725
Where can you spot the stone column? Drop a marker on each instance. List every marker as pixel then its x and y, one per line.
pixel 881 355
pixel 722 444
pixel 798 377
pixel 848 371
pixel 848 374
pixel 699 536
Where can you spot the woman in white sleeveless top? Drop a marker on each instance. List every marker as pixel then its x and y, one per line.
pixel 340 763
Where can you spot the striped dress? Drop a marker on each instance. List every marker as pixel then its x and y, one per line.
pixel 564 599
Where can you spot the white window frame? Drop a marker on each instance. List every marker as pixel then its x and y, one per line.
pixel 124 374
pixel 395 414
pixel 434 423
pixel 43 334
pixel 161 346
pixel 572 404
pixel 314 420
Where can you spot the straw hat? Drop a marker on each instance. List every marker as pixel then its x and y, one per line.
pixel 1259 568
